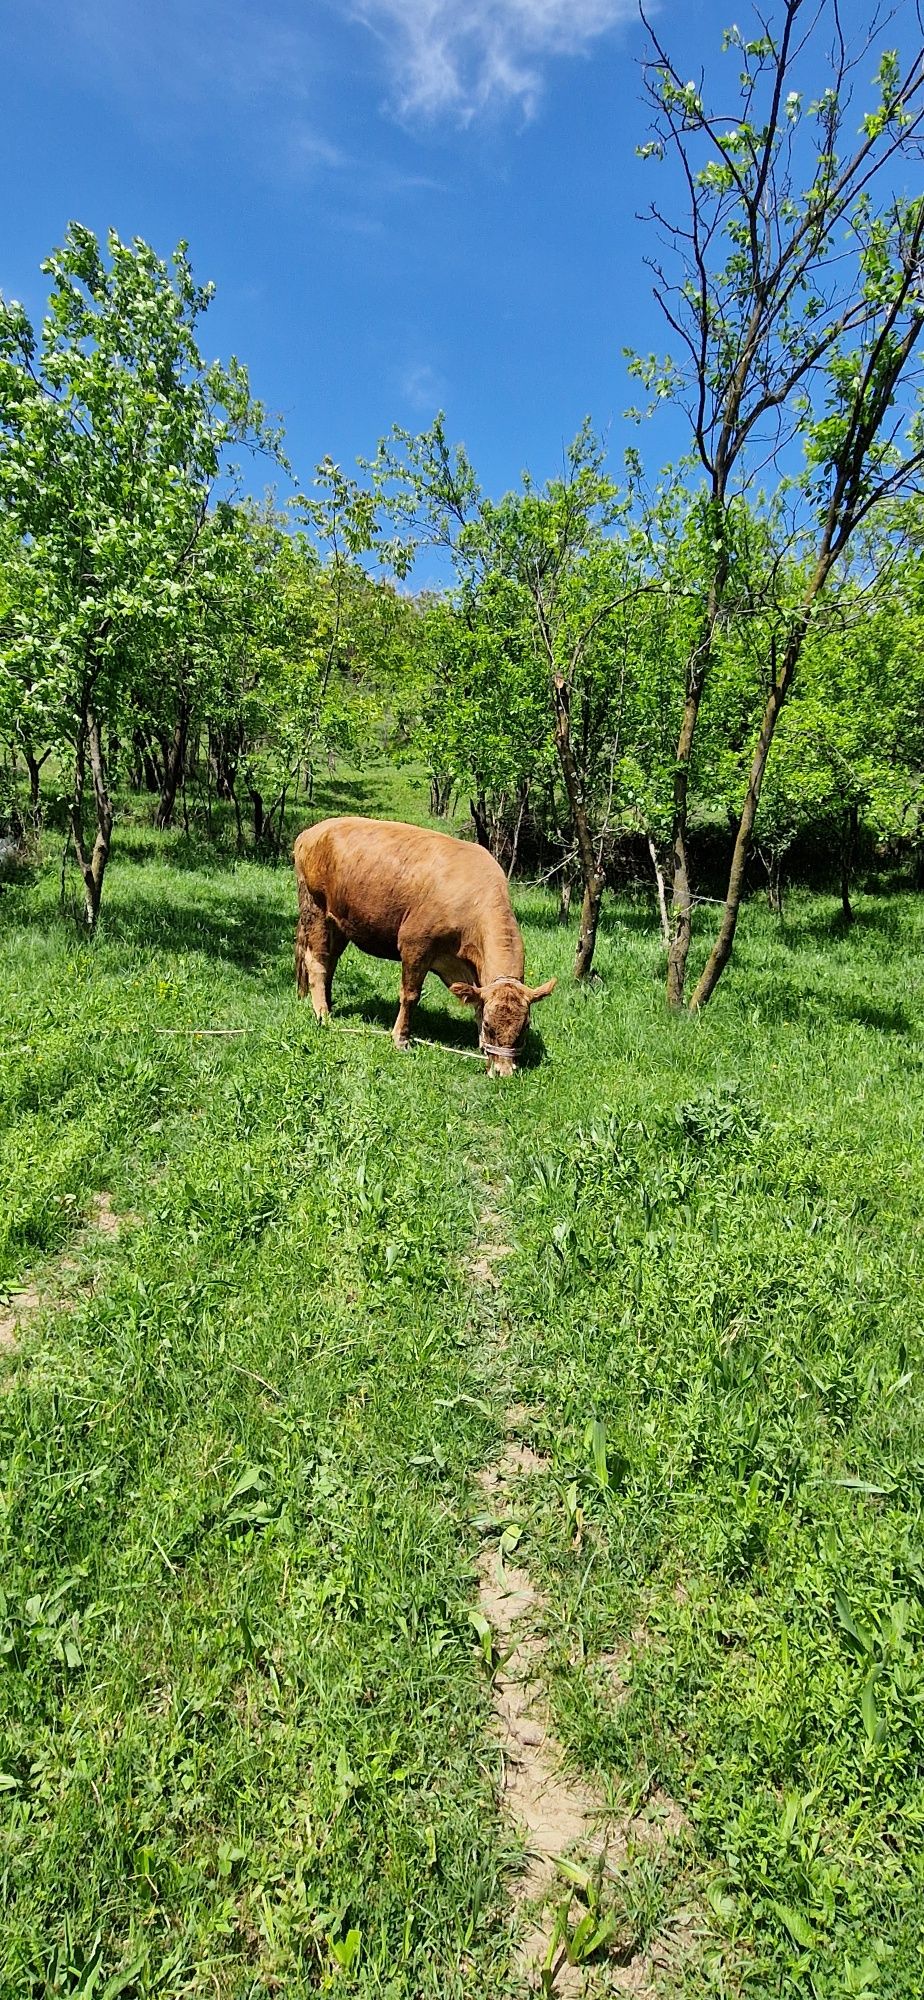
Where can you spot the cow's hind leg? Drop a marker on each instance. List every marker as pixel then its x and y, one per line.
pixel 413 974
pixel 318 946
pixel 336 946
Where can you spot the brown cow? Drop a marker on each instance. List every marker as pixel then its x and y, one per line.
pixel 437 904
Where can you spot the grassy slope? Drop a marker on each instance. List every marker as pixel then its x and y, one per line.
pixel 241 1715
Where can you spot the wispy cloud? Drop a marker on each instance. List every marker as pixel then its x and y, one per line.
pixel 273 74
pixel 309 152
pixel 462 56
pixel 183 49
pixel 191 66
pixel 422 387
pixel 280 72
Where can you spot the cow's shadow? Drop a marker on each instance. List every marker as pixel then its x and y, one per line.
pixel 430 1024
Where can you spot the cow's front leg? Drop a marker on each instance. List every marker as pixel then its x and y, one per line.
pixel 413 975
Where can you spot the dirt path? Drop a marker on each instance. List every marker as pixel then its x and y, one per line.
pixel 560 1815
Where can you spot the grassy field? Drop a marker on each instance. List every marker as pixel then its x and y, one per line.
pixel 245 1720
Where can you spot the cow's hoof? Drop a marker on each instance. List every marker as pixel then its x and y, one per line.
pixel 402 1042
pixel 322 1020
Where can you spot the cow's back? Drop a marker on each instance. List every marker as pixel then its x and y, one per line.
pixel 372 877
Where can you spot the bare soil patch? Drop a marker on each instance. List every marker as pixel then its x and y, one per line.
pixel 103 1216
pixel 23 1304
pixel 28 1300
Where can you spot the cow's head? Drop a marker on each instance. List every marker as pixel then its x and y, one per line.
pixel 503 1010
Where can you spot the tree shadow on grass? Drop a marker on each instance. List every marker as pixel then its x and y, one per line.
pixel 832 928
pixel 784 999
pixel 187 857
pixel 246 933
pixel 356 792
pixel 889 1020
pixel 542 917
pixel 641 918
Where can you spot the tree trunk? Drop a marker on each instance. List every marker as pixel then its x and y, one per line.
pixel 722 949
pixel 775 882
pixel 590 873
pixel 440 794
pixel 92 864
pixel 150 769
pixel 224 752
pixel 564 900
pixel 34 768
pixel 848 857
pixel 35 780
pixel 662 894
pixel 515 841
pixel 681 891
pixel 173 768
pixel 238 822
pixel 146 774
pixel 587 934
pixel 479 813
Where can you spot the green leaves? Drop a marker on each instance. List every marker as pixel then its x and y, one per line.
pixel 872 1721
pixel 595 1440
pixel 857 1635
pixel 248 1505
pixel 345 1951
pixel 113 432
pixel 798 1926
pixel 484 1632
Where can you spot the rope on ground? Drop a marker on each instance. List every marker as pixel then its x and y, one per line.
pixel 339 1028
pixel 417 1041
pixel 204 1031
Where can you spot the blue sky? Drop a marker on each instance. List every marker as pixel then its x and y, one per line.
pixel 405 204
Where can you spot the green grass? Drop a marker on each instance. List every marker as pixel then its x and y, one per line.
pixel 244 1721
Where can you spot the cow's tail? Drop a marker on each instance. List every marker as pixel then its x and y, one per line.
pixel 305 908
pixel 301 939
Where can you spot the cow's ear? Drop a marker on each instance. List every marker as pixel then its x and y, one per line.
pixel 472 995
pixel 540 992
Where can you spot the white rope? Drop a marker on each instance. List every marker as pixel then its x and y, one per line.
pixel 342 1028
pixel 419 1041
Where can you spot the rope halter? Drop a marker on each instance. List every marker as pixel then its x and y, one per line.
pixel 493 1049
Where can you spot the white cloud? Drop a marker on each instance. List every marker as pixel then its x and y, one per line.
pixel 461 56
pixel 422 387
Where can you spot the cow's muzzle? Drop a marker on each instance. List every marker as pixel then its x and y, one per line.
pixel 500 1061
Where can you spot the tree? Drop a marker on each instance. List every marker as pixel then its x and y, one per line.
pixel 793 286
pixel 549 557
pixel 113 434
pixel 23 720
pixel 481 711
pixel 849 755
